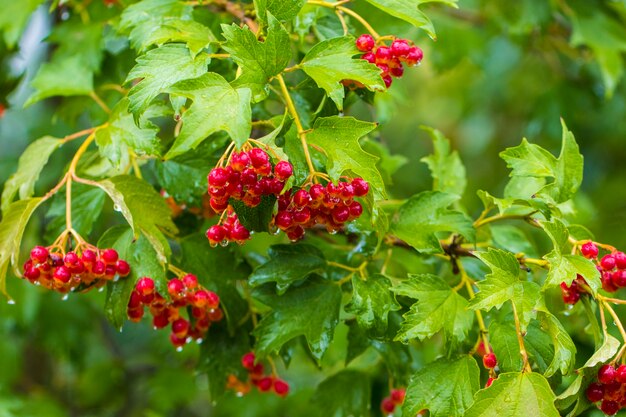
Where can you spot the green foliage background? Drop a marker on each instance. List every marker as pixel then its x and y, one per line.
pixel 498 71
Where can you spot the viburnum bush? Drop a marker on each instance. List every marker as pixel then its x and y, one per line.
pixel 251 217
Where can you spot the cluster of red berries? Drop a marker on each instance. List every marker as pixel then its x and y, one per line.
pixel 229 230
pixel 612 268
pixel 258 378
pixel 389 59
pixel 82 270
pixel 610 390
pixel 393 400
pixel 184 292
pixel 331 206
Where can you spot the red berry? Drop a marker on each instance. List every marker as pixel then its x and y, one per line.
pixel 283 220
pixel 620 260
pixel 175 288
pixel 248 177
pixel 109 256
pixel 283 170
pixel 340 214
pixel 135 314
pixel 110 271
pixel 180 328
pixel 178 342
pixel 247 360
pixel 295 233
pixel 200 298
pixel 361 187
pixel 369 57
pixel 589 250
pixel 257 371
pixel 63 274
pixel 383 54
pixel 400 48
pixel 276 186
pixel 39 254
pixel 88 256
pixel 619 278
pixel 607 282
pixel 356 209
pixel 384 69
pixel 387 405
pixel 258 157
pixel 365 43
pixel 239 233
pixel 301 198
pixel 213 301
pixel 122 267
pixel 56 259
pixel 302 216
pixel 415 56
pixel 397 71
pixel 595 392
pixel 216 234
pixel 215 314
pixel 70 258
pixel 609 408
pixel 98 268
pixel 620 374
pixel 489 382
pixel 606 374
pixel 218 205
pixel 281 387
pixel 145 286
pixel 190 281
pixel 397 395
pixel 31 273
pixel 607 262
pixel 135 300
pixel 160 321
pixel 239 161
pixel 265 384
pixel 490 361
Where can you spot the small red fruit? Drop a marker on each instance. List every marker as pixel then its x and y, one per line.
pixel 606 374
pixel 109 256
pixel 589 250
pixel 490 361
pixel 609 408
pixel 365 43
pixel 283 170
pixel 190 281
pixel 607 262
pixel 281 387
pixel 397 395
pixel 247 360
pixel 175 287
pixel 145 286
pixel 39 254
pixel 218 177
pixel 265 384
pixel 122 267
pixel 387 405
pixel 595 392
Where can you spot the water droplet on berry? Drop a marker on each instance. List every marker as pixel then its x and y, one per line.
pixel 213 244
pixel 65 297
pixel 224 243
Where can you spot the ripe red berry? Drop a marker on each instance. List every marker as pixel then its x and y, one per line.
pixel 607 282
pixel 135 314
pixel 239 161
pixel 397 395
pixel 415 56
pixel 619 278
pixel 383 54
pixel 283 220
pixel 178 342
pixel 180 327
pixel 606 374
pixel 365 43
pixel 301 198
pixel 109 256
pixel 295 233
pixel 98 268
pixel 200 298
pixel 620 260
pixel 356 209
pixel 216 234
pixel 247 360
pixel 122 267
pixel 175 287
pixel 609 408
pixel 218 177
pixel 258 157
pixel 317 192
pixel 88 256
pixel 397 71
pixel 281 387
pixel 190 281
pixel 607 262
pixel 400 48
pixel 620 374
pixel 218 205
pixel 265 384
pixel 39 254
pixel 145 286
pixel 340 214
pixel 489 382
pixel 62 274
pixel 589 250
pixel 490 361
pixel 283 170
pixel 302 216
pixel 239 233
pixel 369 57
pixel 361 187
pixel 213 301
pixel 387 406
pixel 31 273
pixel 135 300
pixel 595 392
pixel 160 321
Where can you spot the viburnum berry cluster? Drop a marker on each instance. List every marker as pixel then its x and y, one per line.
pixel 609 392
pixel 331 206
pixel 184 293
pixel 248 177
pixel 80 270
pixel 258 378
pixel 393 400
pixel 389 59
pixel 612 268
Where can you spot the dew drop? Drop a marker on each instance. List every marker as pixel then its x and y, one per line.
pixel 116 207
pixel 224 243
pixel 65 297
pixel 179 349
pixel 239 394
pixel 100 289
pixel 199 340
pixel 213 244
pixel 11 302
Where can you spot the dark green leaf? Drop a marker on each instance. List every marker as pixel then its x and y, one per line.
pixel 30 164
pixel 311 310
pixel 347 393
pixel 280 9
pixel 515 395
pixel 255 219
pixel 418 221
pixel 371 302
pixel 287 265
pixel 438 307
pixel 87 204
pixel 444 387
pixel 331 61
pixel 216 106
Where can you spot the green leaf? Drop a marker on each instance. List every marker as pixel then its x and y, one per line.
pixel 12 228
pixel 564 348
pixel 194 34
pixel 339 137
pixel 506 283
pixel 216 106
pixel 311 310
pixel 371 302
pixel 288 264
pixel 64 77
pixel 438 307
pixel 515 394
pixel 217 269
pixel 605 353
pixel 564 266
pixel 531 161
pixel 81 40
pixel 409 11
pixel 347 393
pixel 444 387
pixel 158 70
pixel 122 133
pixel 144 263
pixel 143 208
pixel 281 9
pixel 418 221
pixel 259 61
pixel 331 61
pixel 87 204
pixel 30 164
pixel 14 18
pixel 446 168
pixel 503 340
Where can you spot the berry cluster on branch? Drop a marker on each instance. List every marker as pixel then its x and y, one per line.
pixel 258 378
pixel 393 400
pixel 609 392
pixel 83 269
pixel 185 294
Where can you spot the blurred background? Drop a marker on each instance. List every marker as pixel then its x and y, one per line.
pixel 498 71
